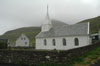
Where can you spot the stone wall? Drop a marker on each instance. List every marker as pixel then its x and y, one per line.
pixel 36 56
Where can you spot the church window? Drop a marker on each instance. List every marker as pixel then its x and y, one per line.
pixel 22 38
pixel 64 42
pixel 54 42
pixel 45 42
pixel 25 43
pixel 76 42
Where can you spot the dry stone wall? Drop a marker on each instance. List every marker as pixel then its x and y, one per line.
pixel 36 56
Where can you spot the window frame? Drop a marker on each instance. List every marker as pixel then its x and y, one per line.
pixel 64 42
pixel 25 43
pixel 24 38
pixel 21 38
pixel 76 41
pixel 45 42
pixel 54 42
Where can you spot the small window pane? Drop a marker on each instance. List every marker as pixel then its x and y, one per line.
pixel 76 42
pixel 45 42
pixel 24 38
pixel 64 42
pixel 21 38
pixel 54 42
pixel 25 43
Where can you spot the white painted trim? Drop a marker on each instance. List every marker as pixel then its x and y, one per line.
pixel 88 28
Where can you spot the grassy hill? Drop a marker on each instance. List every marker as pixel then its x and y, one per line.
pixel 94 24
pixel 31 32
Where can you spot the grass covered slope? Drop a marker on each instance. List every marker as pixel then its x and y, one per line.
pixel 89 58
pixel 94 24
pixel 31 32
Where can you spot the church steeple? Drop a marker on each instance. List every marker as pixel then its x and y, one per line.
pixel 47 12
pixel 47 24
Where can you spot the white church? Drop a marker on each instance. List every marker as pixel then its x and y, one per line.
pixel 61 36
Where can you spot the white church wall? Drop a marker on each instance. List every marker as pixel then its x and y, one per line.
pixel 22 41
pixel 83 41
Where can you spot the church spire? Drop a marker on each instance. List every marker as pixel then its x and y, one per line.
pixel 47 12
pixel 47 24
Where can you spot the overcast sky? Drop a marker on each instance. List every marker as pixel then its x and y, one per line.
pixel 24 13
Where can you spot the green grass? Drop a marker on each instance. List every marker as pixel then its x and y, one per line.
pixel 88 58
pixel 53 64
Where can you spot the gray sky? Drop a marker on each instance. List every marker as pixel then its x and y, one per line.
pixel 24 13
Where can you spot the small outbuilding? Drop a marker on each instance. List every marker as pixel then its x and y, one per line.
pixel 22 41
pixel 95 36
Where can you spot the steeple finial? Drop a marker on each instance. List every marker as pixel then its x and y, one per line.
pixel 47 11
pixel 47 8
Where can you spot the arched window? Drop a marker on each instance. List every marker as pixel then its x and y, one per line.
pixel 64 42
pixel 45 42
pixel 76 42
pixel 54 42
pixel 24 38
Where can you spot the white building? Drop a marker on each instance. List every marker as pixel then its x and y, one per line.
pixel 22 41
pixel 61 36
pixel 95 36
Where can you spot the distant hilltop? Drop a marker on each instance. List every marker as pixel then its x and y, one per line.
pixel 94 24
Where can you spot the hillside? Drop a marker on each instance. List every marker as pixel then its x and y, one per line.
pixel 31 32
pixel 94 24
